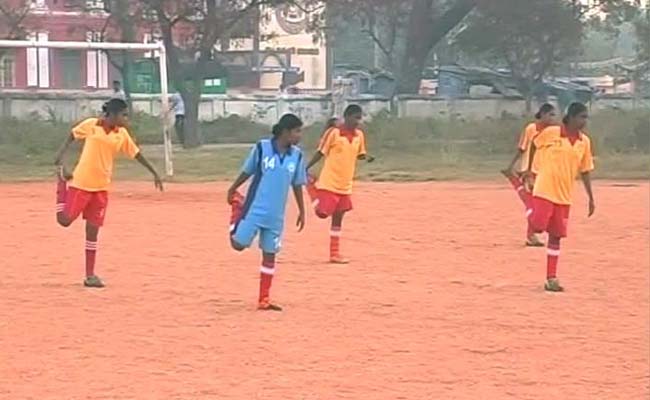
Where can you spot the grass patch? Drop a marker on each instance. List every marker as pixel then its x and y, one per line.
pixel 406 149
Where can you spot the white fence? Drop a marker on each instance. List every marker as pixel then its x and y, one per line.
pixel 71 106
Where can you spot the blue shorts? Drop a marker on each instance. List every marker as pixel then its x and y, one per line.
pixel 270 239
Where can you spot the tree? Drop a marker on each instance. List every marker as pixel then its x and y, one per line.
pixel 642 31
pixel 405 31
pixel 12 19
pixel 190 29
pixel 530 38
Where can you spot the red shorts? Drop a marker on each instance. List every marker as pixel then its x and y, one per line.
pixel 328 203
pixel 91 204
pixel 549 217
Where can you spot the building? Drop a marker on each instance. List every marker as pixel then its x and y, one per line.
pixel 281 44
pixel 59 20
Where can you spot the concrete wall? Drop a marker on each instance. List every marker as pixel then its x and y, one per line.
pixel 71 106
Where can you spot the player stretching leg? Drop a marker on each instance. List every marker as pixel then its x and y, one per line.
pixel 566 152
pixel 520 181
pixel 104 138
pixel 342 145
pixel 276 165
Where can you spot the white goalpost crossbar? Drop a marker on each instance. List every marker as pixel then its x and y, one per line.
pixel 164 91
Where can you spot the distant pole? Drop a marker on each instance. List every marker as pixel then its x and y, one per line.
pixel 164 112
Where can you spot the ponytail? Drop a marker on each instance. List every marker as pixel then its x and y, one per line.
pixel 286 123
pixel 544 109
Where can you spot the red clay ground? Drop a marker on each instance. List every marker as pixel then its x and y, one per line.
pixel 442 301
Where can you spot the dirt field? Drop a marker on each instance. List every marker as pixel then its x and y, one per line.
pixel 441 302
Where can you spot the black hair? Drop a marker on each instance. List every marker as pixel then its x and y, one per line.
pixel 574 110
pixel 352 109
pixel 287 122
pixel 114 106
pixel 544 109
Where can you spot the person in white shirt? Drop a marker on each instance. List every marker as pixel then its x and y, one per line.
pixel 118 92
pixel 178 107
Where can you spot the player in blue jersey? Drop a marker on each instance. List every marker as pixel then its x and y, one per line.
pixel 276 165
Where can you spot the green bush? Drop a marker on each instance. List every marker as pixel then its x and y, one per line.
pixel 407 147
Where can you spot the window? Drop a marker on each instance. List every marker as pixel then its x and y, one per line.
pixel 95 4
pixel 38 62
pixel 38 4
pixel 96 63
pixel 154 37
pixel 7 70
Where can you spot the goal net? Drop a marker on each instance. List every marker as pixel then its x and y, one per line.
pixel 35 45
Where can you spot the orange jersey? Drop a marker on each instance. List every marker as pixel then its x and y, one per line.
pixel 560 162
pixel 525 142
pixel 341 150
pixel 94 170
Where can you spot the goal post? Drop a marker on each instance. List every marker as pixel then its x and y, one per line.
pixel 164 91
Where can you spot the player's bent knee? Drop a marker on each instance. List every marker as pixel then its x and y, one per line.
pixel 63 220
pixel 237 246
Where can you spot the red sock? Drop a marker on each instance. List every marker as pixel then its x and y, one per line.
pixel 61 193
pixel 553 254
pixel 266 278
pixel 335 242
pixel 91 253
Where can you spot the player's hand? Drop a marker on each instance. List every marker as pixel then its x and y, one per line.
pixel 158 183
pixel 592 208
pixel 300 223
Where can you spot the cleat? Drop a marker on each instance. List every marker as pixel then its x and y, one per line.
pixel 553 285
pixel 93 282
pixel 339 260
pixel 266 305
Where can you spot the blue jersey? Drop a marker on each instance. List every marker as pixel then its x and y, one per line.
pixel 273 175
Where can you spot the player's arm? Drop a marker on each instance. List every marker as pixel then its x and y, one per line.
pixel 299 180
pixel 531 157
pixel 521 148
pixel 297 192
pixel 324 146
pixel 586 180
pixel 60 154
pixel 516 158
pixel 145 163
pixel 315 159
pixel 363 152
pixel 586 166
pixel 248 169
pixel 241 179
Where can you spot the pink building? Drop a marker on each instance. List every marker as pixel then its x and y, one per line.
pixel 60 20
